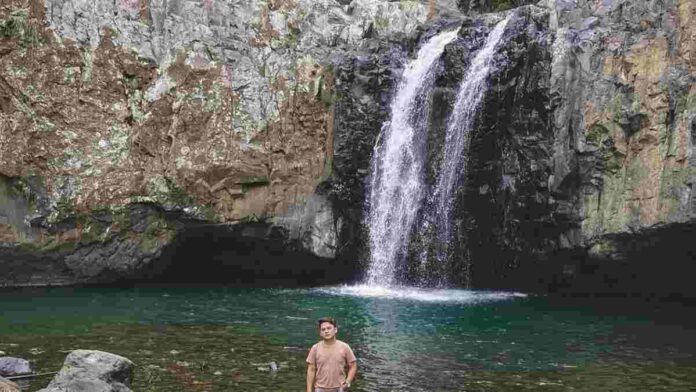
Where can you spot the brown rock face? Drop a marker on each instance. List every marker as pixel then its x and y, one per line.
pixel 637 114
pixel 642 152
pixel 104 153
pixel 81 120
pixel 687 32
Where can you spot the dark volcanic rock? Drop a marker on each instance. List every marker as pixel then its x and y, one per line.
pixel 506 207
pixel 503 211
pixel 253 254
pixel 364 85
pixel 79 250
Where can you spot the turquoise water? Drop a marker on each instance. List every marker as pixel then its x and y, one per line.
pixel 405 339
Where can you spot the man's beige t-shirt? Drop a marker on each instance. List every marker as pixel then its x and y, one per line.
pixel 331 362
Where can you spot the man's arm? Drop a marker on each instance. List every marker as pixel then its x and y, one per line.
pixel 311 374
pixel 351 372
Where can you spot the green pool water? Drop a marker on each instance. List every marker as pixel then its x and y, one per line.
pixel 223 339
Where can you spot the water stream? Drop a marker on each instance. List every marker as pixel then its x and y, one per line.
pixel 471 92
pixel 396 186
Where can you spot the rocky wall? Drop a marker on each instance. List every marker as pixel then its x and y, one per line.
pixel 200 110
pixel 613 168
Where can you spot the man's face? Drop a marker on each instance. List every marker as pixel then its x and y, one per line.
pixel 327 331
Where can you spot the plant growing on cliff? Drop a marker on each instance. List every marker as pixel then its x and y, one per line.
pixel 323 95
pixel 136 100
pixel 17 26
pixel 600 135
pixel 501 5
pixel 158 232
pixel 88 64
pixel 407 5
pixel 381 23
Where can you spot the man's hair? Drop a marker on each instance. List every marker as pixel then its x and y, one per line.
pixel 330 320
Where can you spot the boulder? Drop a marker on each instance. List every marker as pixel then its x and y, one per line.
pixel 93 371
pixel 314 226
pixel 10 366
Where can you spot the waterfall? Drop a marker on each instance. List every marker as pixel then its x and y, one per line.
pixel 396 184
pixel 469 97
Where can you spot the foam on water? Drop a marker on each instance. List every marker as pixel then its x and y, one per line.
pixel 420 294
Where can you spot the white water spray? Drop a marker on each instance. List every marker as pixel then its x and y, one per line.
pixel 469 97
pixel 396 188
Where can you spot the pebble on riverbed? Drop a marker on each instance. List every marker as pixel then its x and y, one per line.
pixel 268 367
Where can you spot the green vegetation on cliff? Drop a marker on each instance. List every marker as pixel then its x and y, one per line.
pixel 17 26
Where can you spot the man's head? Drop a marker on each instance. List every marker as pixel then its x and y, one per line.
pixel 327 328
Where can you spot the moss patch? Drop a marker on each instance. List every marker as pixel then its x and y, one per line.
pixel 501 5
pixel 158 233
pixel 16 26
pixel 601 135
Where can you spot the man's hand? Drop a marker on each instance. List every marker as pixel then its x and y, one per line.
pixel 345 385
pixel 351 375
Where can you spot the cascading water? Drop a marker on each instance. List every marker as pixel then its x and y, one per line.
pixel 469 97
pixel 396 187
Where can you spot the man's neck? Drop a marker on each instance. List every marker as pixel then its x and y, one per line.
pixel 329 342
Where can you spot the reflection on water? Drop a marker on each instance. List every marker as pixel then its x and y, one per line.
pixel 405 339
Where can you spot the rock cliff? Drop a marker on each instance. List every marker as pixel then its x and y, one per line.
pixel 124 124
pixel 579 169
pixel 582 164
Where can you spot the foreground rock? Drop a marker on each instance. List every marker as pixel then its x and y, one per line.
pixel 93 371
pixel 8 386
pixel 11 366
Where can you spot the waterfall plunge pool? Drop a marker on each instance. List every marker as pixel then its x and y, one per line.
pixel 406 339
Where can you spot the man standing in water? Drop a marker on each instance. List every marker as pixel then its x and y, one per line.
pixel 328 359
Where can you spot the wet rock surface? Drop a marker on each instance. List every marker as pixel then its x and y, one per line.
pixel 366 85
pixel 580 151
pixel 505 206
pixel 590 154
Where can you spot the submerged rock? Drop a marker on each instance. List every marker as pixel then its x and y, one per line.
pixel 93 371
